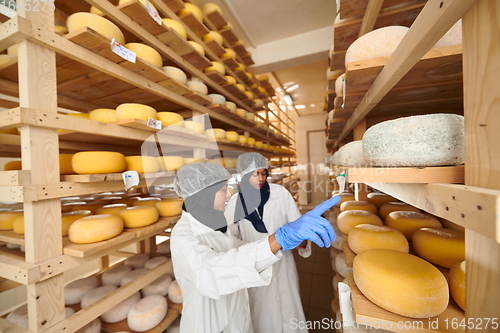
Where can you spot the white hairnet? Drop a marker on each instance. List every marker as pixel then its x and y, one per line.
pixel 194 177
pixel 250 162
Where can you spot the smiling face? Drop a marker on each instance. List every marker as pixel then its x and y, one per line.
pixel 258 178
pixel 221 198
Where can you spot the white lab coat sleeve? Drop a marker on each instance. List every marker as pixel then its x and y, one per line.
pixel 293 213
pixel 265 257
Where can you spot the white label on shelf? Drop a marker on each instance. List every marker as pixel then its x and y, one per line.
pixel 130 178
pixel 346 305
pixel 122 51
pixel 153 13
pixel 153 123
pixel 341 181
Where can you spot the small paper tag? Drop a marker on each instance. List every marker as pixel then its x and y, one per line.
pixel 341 181
pixel 346 305
pixel 122 51
pixel 153 13
pixel 153 123
pixel 130 178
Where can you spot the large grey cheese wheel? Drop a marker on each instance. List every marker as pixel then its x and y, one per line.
pixel 429 140
pixel 351 154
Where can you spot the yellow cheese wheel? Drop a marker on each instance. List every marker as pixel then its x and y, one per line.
pixel 249 94
pixel 358 205
pixel 408 222
pixel 68 218
pixel 262 90
pixel 134 110
pixel 241 112
pixel 251 141
pixel 215 36
pixel 150 201
pixel 13 165
pixel 401 283
pixel 189 8
pixel 92 206
pixel 176 26
pixel 169 207
pixel 197 47
pixel 216 133
pixel 98 162
pixel 378 199
pixel 209 8
pixel 18 225
pixel 350 218
pixel 170 163
pixel 230 163
pixel 7 219
pixel 231 106
pixel 103 115
pixel 232 136
pixel 66 164
pixel 258 144
pixel 95 228
pixel 139 216
pixel 457 283
pixel 60 30
pixel 142 164
pixel 229 53
pixel 230 79
pixel 170 119
pixel 216 67
pixel 194 126
pixel 103 26
pixel 96 11
pixel 113 209
pixel 368 236
pixel 387 208
pixel 198 87
pixel 79 115
pixel 146 53
pixel 175 74
pixel 14 131
pixel 258 102
pixel 242 139
pixel 240 87
pixel 442 247
pixel 188 160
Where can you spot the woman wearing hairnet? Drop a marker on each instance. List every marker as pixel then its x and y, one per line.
pixel 260 209
pixel 212 271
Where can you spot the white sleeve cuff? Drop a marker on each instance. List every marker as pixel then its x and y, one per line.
pixel 264 257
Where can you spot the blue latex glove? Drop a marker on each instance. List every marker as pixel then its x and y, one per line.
pixel 309 226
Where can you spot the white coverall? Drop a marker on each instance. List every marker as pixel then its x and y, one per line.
pixel 274 307
pixel 213 274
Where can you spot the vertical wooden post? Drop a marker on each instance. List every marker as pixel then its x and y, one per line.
pixel 360 192
pixel 481 66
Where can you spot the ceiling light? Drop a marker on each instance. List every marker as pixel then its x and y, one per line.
pixel 292 88
pixel 288 99
pixel 300 106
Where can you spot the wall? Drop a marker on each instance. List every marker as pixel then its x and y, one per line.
pixel 311 151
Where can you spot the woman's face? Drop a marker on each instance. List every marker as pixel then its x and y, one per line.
pixel 221 198
pixel 258 178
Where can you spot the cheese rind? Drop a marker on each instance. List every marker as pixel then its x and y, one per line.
pixel 134 110
pixel 137 260
pixel 142 164
pixel 98 162
pixel 113 276
pixel 96 294
pixel 442 247
pixel 350 218
pixel 358 205
pixel 409 222
pixel 76 290
pixel 146 53
pixel 457 283
pixel 95 228
pixel 147 313
pixel 401 283
pixel 365 237
pixel 139 216
pixel 390 207
pixel 103 26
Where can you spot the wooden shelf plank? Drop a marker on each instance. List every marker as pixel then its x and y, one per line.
pixel 443 175
pixel 162 224
pixel 83 250
pixel 10 236
pixel 137 12
pixel 217 20
pixel 215 47
pixel 112 177
pixel 122 326
pixel 194 24
pixel 228 35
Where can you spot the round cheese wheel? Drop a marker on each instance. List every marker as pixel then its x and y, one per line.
pixel 358 205
pixel 230 79
pixel 258 102
pixel 13 165
pixel 170 163
pixel 242 139
pixel 175 74
pixel 113 276
pixel 228 54
pixel 68 312
pixel 209 8
pixel 132 275
pixel 189 8
pixel 113 209
pixel 93 327
pixel 175 293
pixel 96 11
pixel 19 316
pixel 137 260
pixel 215 36
pixel 153 262
pixel 139 216
pixel 134 110
pixel 149 201
pixel 217 99
pixel 176 26
pixel 68 218
pixel 241 112
pixel 142 164
pixel 216 133
pixel 249 94
pixel 95 228
pixel 351 218
pixel 170 119
pixel 103 115
pixel 337 244
pixel 258 144
pixel 120 311
pixel 194 126
pixel 409 222
pixel 250 116
pixel 76 290
pixel 18 225
pixel 147 313
pixel 98 162
pixel 341 265
pixel 345 197
pixel 158 286
pixel 232 136
pixel 197 47
pixel 442 247
pixel 198 87
pixel 146 53
pixel 457 283
pixel 367 236
pixel 164 247
pixel 401 283
pixel 379 199
pixel 103 26
pixel 231 106
pixel 387 208
pixel 339 85
pixel 66 164
pixel 96 294
pixel 5 58
pixel 169 207
pixel 7 219
pixel 251 141
pixel 240 86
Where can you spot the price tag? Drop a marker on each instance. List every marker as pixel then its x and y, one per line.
pixel 153 13
pixel 122 51
pixel 153 123
pixel 130 178
pixel 341 180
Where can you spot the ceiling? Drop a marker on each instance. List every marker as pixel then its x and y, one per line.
pixel 289 39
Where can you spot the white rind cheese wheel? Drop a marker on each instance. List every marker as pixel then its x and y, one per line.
pixel 176 26
pixel 378 43
pixel 153 262
pixel 340 85
pixel 139 216
pixel 113 276
pixel 98 162
pixel 133 275
pixel 147 313
pixel 138 260
pixel 451 37
pixel 439 246
pixel 76 290
pixel 170 119
pixel 231 106
pixel 158 286
pixel 146 53
pixel 409 222
pixel 164 247
pixel 95 228
pixel 103 115
pixel 103 26
pixel 194 126
pixel 142 164
pixel 93 327
pixel 217 99
pixel 365 237
pixel 120 311
pixel 401 283
pixel 175 293
pixel 175 74
pixel 351 154
pixel 96 294
pixel 427 140
pixel 134 110
pixel 19 316
pixel 198 87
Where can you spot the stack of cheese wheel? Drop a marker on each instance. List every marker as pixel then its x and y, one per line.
pixel 408 222
pixel 440 246
pixel 358 205
pixel 76 290
pixel 139 216
pixel 142 164
pixel 170 163
pixel 170 119
pixel 169 207
pixel 95 228
pixel 98 162
pixel 148 201
pixel 135 111
pixel 137 260
pixel 113 276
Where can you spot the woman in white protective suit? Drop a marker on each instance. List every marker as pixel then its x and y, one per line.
pixel 212 270
pixel 259 209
